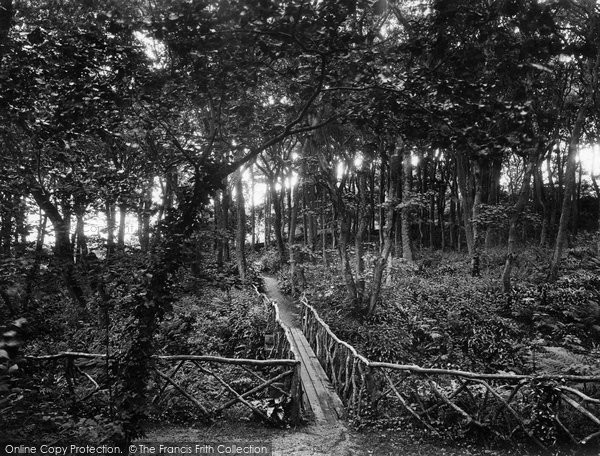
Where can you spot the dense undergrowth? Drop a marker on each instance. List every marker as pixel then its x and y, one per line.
pixel 212 314
pixel 434 314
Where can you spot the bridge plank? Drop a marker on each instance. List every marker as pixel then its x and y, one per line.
pixel 320 394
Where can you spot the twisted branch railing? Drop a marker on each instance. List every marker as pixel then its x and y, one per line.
pixel 543 409
pixel 270 388
pixel 258 385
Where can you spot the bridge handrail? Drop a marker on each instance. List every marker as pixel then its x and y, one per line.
pixel 505 405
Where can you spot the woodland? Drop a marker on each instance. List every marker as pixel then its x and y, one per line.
pixel 425 173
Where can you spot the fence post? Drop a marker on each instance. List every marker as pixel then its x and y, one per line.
pixel 295 408
pixel 372 389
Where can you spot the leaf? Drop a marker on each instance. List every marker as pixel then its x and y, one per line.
pixel 380 6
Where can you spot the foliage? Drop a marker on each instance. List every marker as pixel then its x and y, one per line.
pixel 439 317
pixel 10 342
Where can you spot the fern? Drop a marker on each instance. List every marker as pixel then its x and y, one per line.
pixel 560 361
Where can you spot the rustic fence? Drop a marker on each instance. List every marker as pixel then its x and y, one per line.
pixel 544 410
pixel 198 385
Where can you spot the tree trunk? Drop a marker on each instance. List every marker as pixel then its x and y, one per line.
pixel 351 290
pixel 363 221
pixel 324 234
pixel 576 132
pixel 495 174
pixel 542 201
pixel 577 202
pixel 268 217
pixel 7 226
pixel 514 219
pixel 240 245
pixel 454 225
pixel 382 212
pixel 404 214
pixel 466 199
pixel 253 211
pixel 597 190
pixel 294 201
pixel 144 215
pixel 35 267
pixel 225 205
pixel 81 249
pixel 380 263
pixel 277 224
pixel 122 226
pixel 218 224
pixel 476 253
pixel 110 227
pixel 63 251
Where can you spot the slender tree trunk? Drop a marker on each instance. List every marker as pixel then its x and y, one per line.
pixel 277 224
pixel 363 221
pixel 543 202
pixel 122 226
pixel 407 253
pixel 240 245
pixel 313 222
pixel 81 249
pixel 253 211
pixel 597 190
pixel 382 212
pixel 225 206
pixel 6 227
pixel 476 255
pixel 286 209
pixel 219 230
pixel 35 267
pixel 380 263
pixel 144 215
pixel 563 225
pixel 441 205
pixel 567 202
pixel 268 217
pixel 514 219
pixel 552 197
pixel 21 230
pixel 466 200
pixel 453 212
pixel 351 290
pixel 324 234
pixel 294 201
pixel 110 227
pixel 577 202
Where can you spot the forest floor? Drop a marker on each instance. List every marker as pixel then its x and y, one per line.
pixel 313 440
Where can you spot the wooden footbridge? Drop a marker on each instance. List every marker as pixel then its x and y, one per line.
pixel 320 399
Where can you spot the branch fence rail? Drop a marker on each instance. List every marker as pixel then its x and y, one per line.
pixel 544 410
pixel 205 386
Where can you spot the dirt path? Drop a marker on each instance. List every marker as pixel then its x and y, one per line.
pixel 310 440
pixel 288 310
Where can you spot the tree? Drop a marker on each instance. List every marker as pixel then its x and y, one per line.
pixel 590 56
